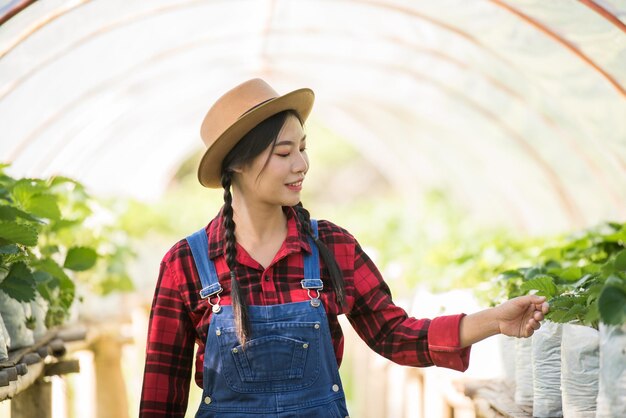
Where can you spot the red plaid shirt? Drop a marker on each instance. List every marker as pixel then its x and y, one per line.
pixel 180 318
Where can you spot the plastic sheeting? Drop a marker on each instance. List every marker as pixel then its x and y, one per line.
pixel 518 108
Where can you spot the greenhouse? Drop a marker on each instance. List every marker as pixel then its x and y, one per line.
pixel 470 153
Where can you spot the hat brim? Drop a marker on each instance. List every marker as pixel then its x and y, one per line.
pixel 209 170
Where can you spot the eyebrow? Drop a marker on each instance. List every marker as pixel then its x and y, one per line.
pixel 290 142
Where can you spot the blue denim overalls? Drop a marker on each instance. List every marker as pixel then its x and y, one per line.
pixel 287 369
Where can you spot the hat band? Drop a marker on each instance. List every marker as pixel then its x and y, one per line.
pixel 255 106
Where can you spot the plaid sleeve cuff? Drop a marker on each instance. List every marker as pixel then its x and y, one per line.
pixel 443 343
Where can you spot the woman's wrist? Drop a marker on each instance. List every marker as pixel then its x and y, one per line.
pixel 478 326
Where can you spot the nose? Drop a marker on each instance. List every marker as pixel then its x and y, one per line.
pixel 301 163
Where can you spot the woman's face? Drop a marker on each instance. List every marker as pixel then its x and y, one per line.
pixel 275 176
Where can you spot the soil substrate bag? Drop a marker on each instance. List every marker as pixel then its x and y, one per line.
pixel 4 341
pixel 14 319
pixel 579 370
pixel 523 372
pixel 546 348
pixel 507 356
pixel 612 385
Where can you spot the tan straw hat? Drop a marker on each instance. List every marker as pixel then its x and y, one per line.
pixel 238 111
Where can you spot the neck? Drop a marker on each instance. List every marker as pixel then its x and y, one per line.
pixel 257 223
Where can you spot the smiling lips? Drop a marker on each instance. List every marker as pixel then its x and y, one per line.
pixel 296 185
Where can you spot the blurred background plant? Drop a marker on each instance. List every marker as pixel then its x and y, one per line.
pixel 54 236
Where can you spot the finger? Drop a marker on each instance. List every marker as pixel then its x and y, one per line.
pixel 538 316
pixel 534 324
pixel 545 307
pixel 537 300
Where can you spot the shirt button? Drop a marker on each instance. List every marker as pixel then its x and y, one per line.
pixel 305 345
pixel 207 400
pixel 316 326
pixel 335 388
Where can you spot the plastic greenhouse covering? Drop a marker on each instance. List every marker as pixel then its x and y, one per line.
pixel 518 108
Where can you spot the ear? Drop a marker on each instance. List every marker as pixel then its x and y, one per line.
pixel 237 169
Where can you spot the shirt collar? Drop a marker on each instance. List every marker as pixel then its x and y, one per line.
pixel 295 241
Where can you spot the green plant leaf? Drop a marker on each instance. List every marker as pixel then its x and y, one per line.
pixel 24 189
pixel 576 312
pixel 18 233
pixel 41 276
pixel 80 258
pixel 543 284
pixel 9 249
pixel 49 266
pixel 620 261
pixel 9 213
pixel 571 274
pixel 551 254
pixel 612 305
pixel 19 283
pixel 116 283
pixel 510 274
pixel 44 206
pixel 533 272
pixel 585 281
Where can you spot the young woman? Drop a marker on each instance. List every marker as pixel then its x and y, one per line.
pixel 259 289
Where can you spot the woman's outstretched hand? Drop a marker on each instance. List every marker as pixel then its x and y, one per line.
pixel 518 317
pixel 521 316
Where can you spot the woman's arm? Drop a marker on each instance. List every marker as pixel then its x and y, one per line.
pixel 169 352
pixel 518 317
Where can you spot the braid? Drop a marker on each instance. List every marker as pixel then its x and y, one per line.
pixel 240 309
pixel 336 277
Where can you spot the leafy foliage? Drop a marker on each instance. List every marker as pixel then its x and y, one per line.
pixel 583 276
pixel 51 229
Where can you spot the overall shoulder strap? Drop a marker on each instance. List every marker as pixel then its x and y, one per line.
pixel 199 244
pixel 312 263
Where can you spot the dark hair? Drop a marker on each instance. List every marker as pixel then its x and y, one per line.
pixel 250 146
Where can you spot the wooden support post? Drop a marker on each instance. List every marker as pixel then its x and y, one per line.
pixel 111 397
pixel 35 401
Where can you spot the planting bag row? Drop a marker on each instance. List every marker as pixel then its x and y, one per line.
pixel 612 384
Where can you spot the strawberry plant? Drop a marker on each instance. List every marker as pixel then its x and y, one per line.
pixel 49 233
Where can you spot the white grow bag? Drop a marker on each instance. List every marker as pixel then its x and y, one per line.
pixel 14 319
pixel 579 370
pixel 612 385
pixel 523 372
pixel 546 354
pixel 4 341
pixel 507 356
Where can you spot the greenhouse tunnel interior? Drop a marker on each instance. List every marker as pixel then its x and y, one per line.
pixel 514 110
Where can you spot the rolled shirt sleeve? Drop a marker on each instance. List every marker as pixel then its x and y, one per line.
pixel 444 345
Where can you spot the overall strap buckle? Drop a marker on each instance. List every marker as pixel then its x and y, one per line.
pixel 312 280
pixel 316 285
pixel 199 245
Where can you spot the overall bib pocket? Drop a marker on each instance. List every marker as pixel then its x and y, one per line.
pixel 284 357
pixel 271 358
